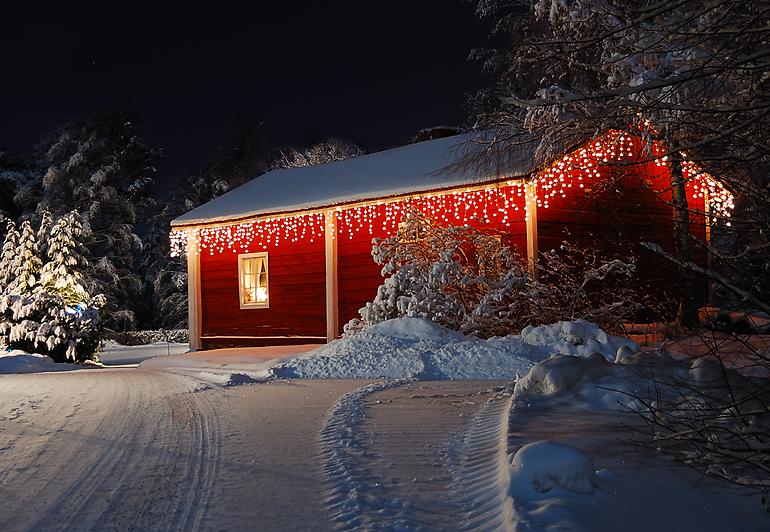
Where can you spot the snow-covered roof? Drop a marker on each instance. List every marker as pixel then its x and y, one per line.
pixel 421 167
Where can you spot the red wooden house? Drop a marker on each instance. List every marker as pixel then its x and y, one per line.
pixel 285 258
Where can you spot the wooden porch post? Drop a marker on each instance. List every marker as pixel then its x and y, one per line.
pixel 332 293
pixel 194 316
pixel 530 194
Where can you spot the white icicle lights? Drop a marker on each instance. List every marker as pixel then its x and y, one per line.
pixel 496 202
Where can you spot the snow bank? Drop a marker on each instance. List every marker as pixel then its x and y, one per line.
pixel 544 465
pixel 578 338
pixel 17 361
pixel 416 348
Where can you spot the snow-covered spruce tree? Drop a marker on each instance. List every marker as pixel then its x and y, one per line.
pixel 100 166
pixel 62 273
pixel 26 263
pixel 54 315
pixel 465 279
pixel 693 74
pixel 7 255
pixel 12 171
pixel 44 232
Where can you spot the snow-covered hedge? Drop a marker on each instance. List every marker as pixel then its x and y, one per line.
pixel 153 336
pixel 469 280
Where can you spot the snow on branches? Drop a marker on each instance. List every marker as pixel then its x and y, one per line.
pixel 468 280
pixel 43 305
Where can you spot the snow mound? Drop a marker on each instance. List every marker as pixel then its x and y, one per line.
pixel 593 383
pixel 561 373
pixel 415 329
pixel 415 348
pixel 18 361
pixel 544 465
pixel 579 338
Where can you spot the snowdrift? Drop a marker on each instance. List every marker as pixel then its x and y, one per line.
pixel 416 348
pixel 17 361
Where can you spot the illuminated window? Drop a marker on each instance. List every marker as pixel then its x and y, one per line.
pixel 252 279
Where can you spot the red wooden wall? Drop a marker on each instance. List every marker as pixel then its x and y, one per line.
pixel 626 205
pixel 297 297
pixel 612 213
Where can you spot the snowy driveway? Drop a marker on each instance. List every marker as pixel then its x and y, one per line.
pixel 161 449
pixel 148 449
pixel 142 450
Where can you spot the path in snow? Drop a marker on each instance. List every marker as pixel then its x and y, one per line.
pixel 396 453
pixel 152 450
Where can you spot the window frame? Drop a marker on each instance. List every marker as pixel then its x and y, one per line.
pixel 241 285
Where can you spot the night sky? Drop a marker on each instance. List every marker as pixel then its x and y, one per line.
pixel 369 72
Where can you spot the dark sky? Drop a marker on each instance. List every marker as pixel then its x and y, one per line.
pixel 371 72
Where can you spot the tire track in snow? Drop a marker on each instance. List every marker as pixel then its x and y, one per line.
pixel 483 476
pixel 417 433
pixel 141 453
pixel 205 451
pixel 355 498
pixel 395 463
pixel 71 505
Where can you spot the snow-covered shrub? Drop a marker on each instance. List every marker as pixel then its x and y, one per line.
pixel 467 279
pixel 149 336
pixel 45 308
pixel 578 282
pixel 440 273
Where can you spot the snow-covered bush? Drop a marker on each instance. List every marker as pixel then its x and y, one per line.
pixel 149 336
pixel 467 279
pixel 44 307
pixel 440 273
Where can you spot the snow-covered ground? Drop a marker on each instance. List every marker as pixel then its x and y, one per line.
pixel 134 449
pixel 237 365
pixel 215 440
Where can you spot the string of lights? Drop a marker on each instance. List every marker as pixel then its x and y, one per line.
pixel 497 203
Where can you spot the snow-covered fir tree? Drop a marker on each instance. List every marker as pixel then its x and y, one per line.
pixel 99 165
pixel 12 171
pixel 44 232
pixel 10 244
pixel 26 264
pixel 46 309
pixel 62 273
